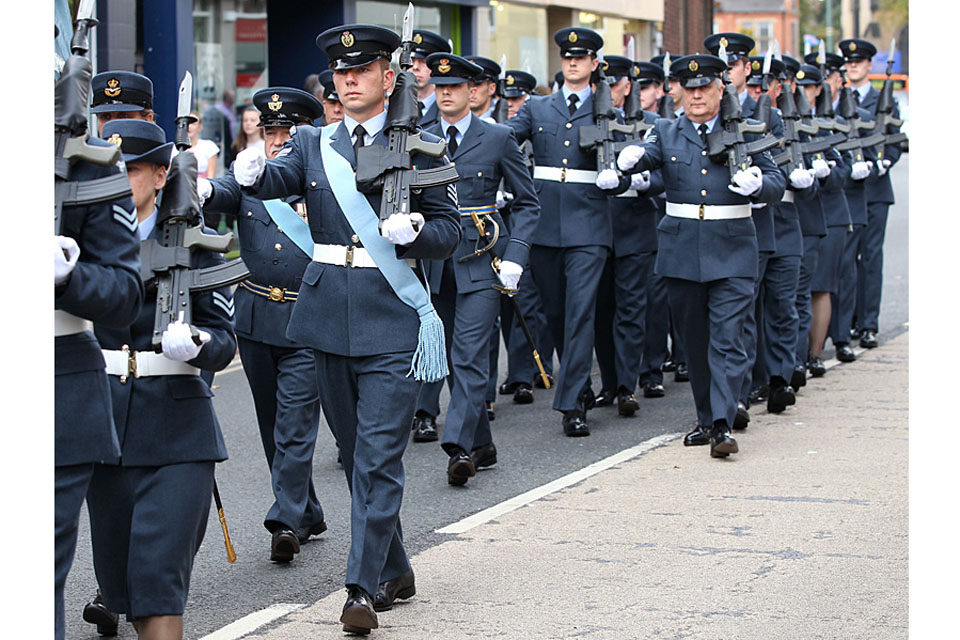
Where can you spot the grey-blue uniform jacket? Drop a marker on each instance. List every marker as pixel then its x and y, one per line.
pixel 430 116
pixel 763 216
pixel 879 187
pixel 575 214
pixel 703 250
pixel 104 287
pixel 832 197
pixel 170 419
pixel 488 153
pixel 634 219
pixel 272 258
pixel 353 311
pixel 856 190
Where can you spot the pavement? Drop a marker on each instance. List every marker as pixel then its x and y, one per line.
pixel 801 535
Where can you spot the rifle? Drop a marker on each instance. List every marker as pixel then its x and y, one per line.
pixel 600 135
pixel 71 93
pixel 728 142
pixel 762 112
pixel 501 113
pixel 181 227
pixel 633 106
pixel 665 106
pixel 389 169
pixel 885 105
pixel 855 143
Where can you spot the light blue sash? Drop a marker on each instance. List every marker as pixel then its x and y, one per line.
pixel 294 227
pixel 430 359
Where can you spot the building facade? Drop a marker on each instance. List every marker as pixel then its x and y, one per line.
pixel 764 21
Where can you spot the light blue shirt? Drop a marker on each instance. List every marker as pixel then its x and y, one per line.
pixel 583 94
pixel 427 103
pixel 371 126
pixel 710 123
pixel 147 225
pixel 863 91
pixel 461 126
pixel 743 96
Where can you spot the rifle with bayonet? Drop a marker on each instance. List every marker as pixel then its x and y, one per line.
pixel 179 219
pixel 665 106
pixel 599 136
pixel 855 142
pixel 389 169
pixel 633 106
pixel 501 113
pixel 71 94
pixel 727 143
pixel 885 108
pixel 762 111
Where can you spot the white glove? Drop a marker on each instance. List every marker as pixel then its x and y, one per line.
pixel 510 273
pixel 65 254
pixel 860 170
pixel 629 157
pixel 820 167
pixel 640 181
pixel 177 344
pixel 832 163
pixel 747 182
pixel 249 165
pixel 503 197
pixel 399 228
pixel 608 179
pixel 801 178
pixel 882 166
pixel 757 205
pixel 204 189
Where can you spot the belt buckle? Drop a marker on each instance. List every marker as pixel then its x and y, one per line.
pixel 701 211
pixel 277 294
pixel 563 174
pixel 348 261
pixel 131 357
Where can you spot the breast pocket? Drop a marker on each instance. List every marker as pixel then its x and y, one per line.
pixel 478 183
pixel 253 231
pixel 678 171
pixel 543 138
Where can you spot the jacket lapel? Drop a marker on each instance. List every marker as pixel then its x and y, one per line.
pixel 690 133
pixel 560 104
pixel 470 139
pixel 340 141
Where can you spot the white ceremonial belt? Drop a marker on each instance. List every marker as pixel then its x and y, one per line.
pixel 67 324
pixel 787 196
pixel 629 193
pixel 142 364
pixel 708 211
pixel 344 256
pixel 562 174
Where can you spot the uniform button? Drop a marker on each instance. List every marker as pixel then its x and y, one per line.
pixel 569 126
pixel 313 183
pixel 354 238
pixel 249 213
pixel 703 171
pixel 279 230
pixel 276 261
pixel 540 129
pixel 566 143
pixel 703 192
pixel 565 161
pixel 479 174
pixel 704 152
pixel 278 246
pixel 673 158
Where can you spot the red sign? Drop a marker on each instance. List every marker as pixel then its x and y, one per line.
pixel 248 80
pixel 251 30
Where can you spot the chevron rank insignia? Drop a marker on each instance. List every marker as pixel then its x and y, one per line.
pixel 126 218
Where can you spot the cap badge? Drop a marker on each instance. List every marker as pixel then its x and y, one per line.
pixel 347 39
pixel 115 139
pixel 276 104
pixel 510 80
pixel 572 37
pixel 693 66
pixel 853 46
pixel 756 65
pixel 113 88
pixel 801 75
pixel 418 38
pixel 444 66
pixel 724 42
pixel 606 65
pixel 636 70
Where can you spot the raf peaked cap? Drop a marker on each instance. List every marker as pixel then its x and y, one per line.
pixel 517 83
pixel 808 74
pixel 756 69
pixel 447 68
pixel 121 91
pixel 697 70
pixel 356 45
pixel 490 69
pixel 833 61
pixel 616 67
pixel 857 49
pixel 658 60
pixel 286 106
pixel 791 66
pixel 737 45
pixel 329 89
pixel 427 42
pixel 578 41
pixel 139 141
pixel 648 72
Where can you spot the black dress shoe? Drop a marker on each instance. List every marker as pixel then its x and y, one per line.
pixel 538 381
pixel 653 390
pixel 400 588
pixel 799 377
pixel 358 616
pixel 816 368
pixel 742 418
pixel 681 374
pixel 304 533
pixel 722 443
pixel 869 339
pixel 668 366
pixel 758 394
pixel 284 545
pixel 484 457
pixel 95 612
pixel 575 424
pixel 587 401
pixel 627 404
pixel 523 394
pixel 855 333
pixel 780 398
pixel 491 414
pixel 460 468
pixel 424 428
pixel 605 399
pixel 698 437
pixel 508 387
pixel 845 353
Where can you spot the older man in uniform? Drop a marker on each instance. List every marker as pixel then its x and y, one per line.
pixel 425 43
pixel 707 244
pixel 361 307
pixel 275 245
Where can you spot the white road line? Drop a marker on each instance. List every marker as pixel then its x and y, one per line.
pixel 252 622
pixel 560 483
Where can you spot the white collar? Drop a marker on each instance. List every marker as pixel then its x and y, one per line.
pixel 147 225
pixel 371 126
pixel 461 125
pixel 583 94
pixel 743 96
pixel 711 123
pixel 429 101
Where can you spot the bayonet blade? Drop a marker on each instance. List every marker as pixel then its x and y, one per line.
pixel 776 51
pixel 666 65
pixel 185 97
pixel 407 34
pixel 632 49
pixel 85 10
pixel 503 66
pixel 722 53
pixel 822 55
pixel 767 61
pixel 893 48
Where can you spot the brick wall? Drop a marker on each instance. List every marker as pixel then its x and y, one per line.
pixel 685 25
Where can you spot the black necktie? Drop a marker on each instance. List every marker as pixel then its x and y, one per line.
pixel 574 98
pixel 703 134
pixel 360 132
pixel 452 143
pixel 421 106
pixel 856 98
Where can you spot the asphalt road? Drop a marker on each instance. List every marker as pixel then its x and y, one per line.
pixel 532 451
